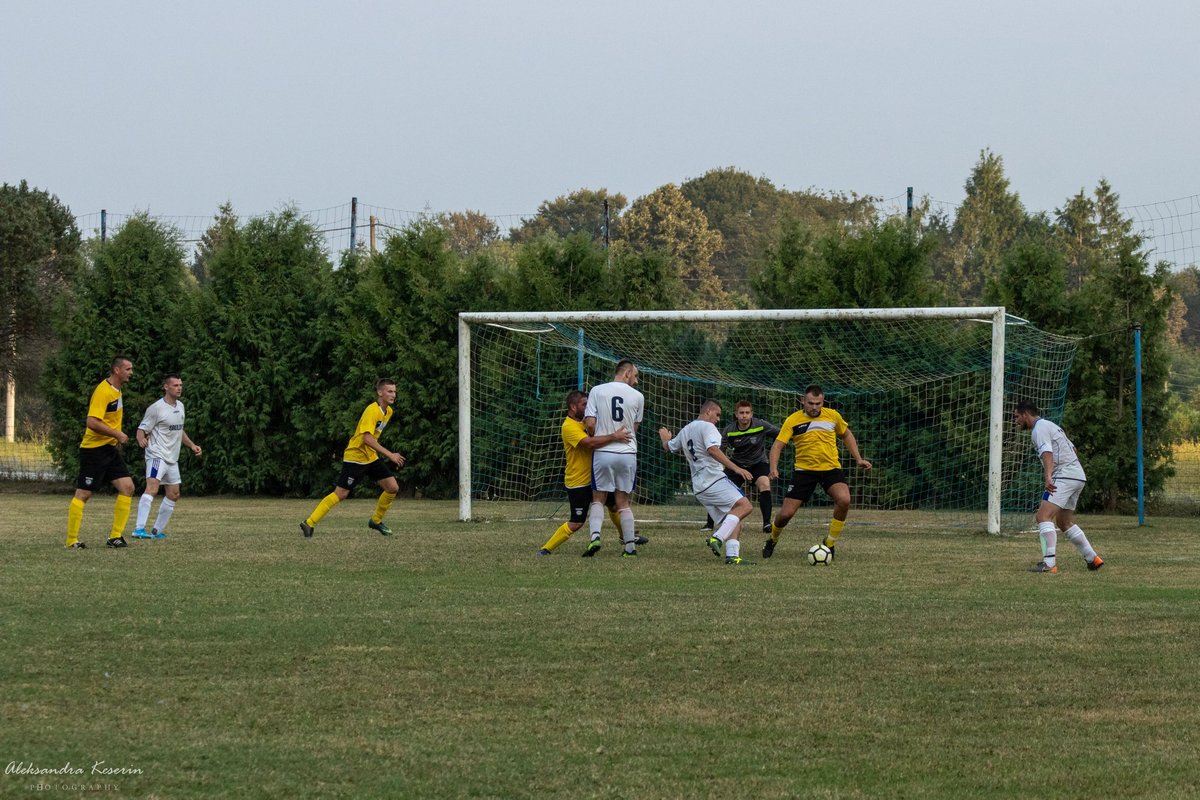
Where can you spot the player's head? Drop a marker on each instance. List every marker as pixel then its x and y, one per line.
pixel 814 400
pixel 627 372
pixel 743 412
pixel 1026 413
pixel 576 402
pixel 172 385
pixel 710 410
pixel 385 391
pixel 120 370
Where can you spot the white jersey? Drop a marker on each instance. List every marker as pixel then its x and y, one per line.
pixel 163 424
pixel 693 440
pixel 1050 438
pixel 615 405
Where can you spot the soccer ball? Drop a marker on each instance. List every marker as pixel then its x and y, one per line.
pixel 820 556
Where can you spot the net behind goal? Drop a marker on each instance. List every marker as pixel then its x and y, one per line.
pixel 927 393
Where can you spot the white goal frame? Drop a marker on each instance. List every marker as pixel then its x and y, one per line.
pixel 995 314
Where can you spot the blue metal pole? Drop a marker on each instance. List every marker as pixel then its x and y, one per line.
pixel 1141 476
pixel 103 224
pixel 353 221
pixel 579 362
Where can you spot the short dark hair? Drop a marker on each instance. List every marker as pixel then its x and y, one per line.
pixel 707 404
pixel 1029 406
pixel 814 389
pixel 623 365
pixel 743 404
pixel 574 395
pixel 382 382
pixel 116 362
pixel 169 376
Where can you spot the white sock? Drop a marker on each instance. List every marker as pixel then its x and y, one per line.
pixel 628 533
pixel 164 514
pixel 143 511
pixel 1049 540
pixel 1076 536
pixel 595 519
pixel 733 548
pixel 727 527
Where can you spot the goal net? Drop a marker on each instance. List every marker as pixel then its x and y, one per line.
pixel 928 394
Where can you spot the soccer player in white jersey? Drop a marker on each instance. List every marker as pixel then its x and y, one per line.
pixel 613 405
pixel 1064 479
pixel 700 443
pixel 160 434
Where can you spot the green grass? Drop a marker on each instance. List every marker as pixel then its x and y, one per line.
pixel 237 659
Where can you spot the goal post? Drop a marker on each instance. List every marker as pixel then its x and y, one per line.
pixel 923 388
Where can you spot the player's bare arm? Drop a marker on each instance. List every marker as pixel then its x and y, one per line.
pixel 725 461
pixel 773 459
pixel 373 443
pixel 1048 471
pixel 592 442
pixel 99 426
pixel 195 448
pixel 852 446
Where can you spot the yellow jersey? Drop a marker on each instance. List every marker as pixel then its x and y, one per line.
pixel 107 407
pixel 373 420
pixel 815 439
pixel 579 458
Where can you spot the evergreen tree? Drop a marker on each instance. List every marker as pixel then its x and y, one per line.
pixel 262 359
pixel 987 222
pixel 136 300
pixel 39 254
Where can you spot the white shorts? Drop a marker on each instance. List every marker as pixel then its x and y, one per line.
pixel 614 472
pixel 719 498
pixel 164 472
pixel 1067 493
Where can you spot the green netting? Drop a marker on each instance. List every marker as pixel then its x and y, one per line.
pixel 914 391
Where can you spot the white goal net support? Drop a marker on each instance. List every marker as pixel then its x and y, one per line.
pixel 928 393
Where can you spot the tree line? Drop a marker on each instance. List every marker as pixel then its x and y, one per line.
pixel 279 347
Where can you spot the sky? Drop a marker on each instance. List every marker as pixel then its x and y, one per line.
pixel 176 108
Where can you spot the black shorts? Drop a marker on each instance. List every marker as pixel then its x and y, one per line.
pixel 580 499
pixel 100 465
pixel 804 483
pixel 352 473
pixel 760 470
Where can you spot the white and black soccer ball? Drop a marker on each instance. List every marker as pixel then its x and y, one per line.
pixel 820 556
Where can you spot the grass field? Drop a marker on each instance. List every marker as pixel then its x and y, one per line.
pixel 237 659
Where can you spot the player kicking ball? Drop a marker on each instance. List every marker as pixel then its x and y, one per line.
pixel 700 443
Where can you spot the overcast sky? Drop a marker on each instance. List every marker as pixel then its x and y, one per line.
pixel 175 108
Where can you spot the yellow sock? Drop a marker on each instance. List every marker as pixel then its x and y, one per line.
pixel 558 537
pixel 835 530
pixel 322 509
pixel 385 502
pixel 775 532
pixel 74 520
pixel 615 516
pixel 120 515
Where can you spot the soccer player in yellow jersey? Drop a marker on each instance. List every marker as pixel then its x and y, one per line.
pixel 578 476
pixel 100 458
pixel 814 431
pixel 362 458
